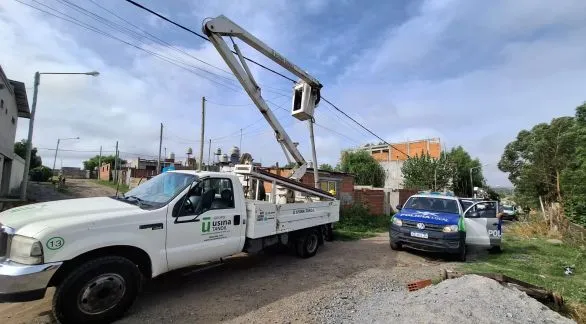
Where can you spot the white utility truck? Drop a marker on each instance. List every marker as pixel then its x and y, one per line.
pixel 98 251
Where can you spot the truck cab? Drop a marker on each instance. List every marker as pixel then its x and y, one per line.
pixel 96 251
pixel 441 222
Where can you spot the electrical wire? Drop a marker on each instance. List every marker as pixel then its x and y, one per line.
pixel 268 69
pixel 203 37
pixel 77 22
pixel 134 34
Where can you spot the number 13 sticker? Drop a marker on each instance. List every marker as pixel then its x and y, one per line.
pixel 55 243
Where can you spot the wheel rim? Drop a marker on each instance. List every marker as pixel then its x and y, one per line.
pixel 101 294
pixel 311 243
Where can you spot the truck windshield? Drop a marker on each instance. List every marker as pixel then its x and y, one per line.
pixel 439 205
pixel 161 189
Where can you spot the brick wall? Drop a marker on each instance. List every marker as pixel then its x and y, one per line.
pixel 105 172
pixel 413 148
pixel 344 182
pixel 373 199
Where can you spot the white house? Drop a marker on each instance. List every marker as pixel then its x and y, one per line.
pixel 13 104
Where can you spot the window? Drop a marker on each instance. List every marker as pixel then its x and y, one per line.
pixel 439 205
pixel 208 194
pixel 1 103
pixel 328 186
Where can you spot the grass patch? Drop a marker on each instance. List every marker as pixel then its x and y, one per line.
pixel 122 189
pixel 357 223
pixel 538 262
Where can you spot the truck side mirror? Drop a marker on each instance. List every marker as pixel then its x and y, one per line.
pixel 399 207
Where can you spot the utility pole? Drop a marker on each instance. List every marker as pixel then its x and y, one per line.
pixel 210 152
pixel 115 177
pixel 471 184
pixel 160 145
pixel 55 158
pixel 314 156
pixel 27 160
pixel 240 140
pixel 165 154
pixel 203 120
pixel 100 163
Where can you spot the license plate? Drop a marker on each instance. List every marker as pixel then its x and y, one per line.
pixel 420 235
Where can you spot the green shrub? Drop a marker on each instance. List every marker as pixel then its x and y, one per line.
pixel 358 218
pixel 40 174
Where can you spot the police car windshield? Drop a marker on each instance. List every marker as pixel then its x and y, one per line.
pixel 439 205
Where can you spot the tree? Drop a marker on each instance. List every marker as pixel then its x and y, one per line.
pixel 20 150
pixel 366 170
pixel 326 167
pixel 40 174
pixel 463 162
pixel 425 172
pixel 92 163
pixel 537 158
pixel 290 165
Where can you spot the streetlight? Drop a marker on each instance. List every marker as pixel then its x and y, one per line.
pixel 57 149
pixel 27 161
pixel 471 181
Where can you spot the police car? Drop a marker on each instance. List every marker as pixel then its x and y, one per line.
pixel 441 222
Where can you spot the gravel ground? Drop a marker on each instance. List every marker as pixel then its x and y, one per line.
pixel 469 299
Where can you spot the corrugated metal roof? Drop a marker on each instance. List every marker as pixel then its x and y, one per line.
pixel 21 99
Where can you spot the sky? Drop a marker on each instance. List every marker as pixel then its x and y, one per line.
pixel 473 73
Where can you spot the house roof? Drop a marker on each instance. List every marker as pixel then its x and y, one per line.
pixel 20 98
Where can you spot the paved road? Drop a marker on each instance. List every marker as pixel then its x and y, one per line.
pixel 272 287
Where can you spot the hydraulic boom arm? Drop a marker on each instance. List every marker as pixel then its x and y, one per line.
pixel 306 91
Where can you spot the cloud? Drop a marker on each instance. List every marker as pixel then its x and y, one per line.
pixel 473 73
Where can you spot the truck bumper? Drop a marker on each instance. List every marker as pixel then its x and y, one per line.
pixel 20 282
pixel 436 241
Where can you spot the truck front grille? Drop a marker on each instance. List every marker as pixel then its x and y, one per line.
pixel 428 227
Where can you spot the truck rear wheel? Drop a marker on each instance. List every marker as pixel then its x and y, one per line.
pixel 98 291
pixel 307 244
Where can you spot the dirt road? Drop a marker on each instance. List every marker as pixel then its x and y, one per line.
pixel 268 288
pixel 74 188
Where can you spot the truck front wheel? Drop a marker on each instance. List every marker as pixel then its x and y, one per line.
pixel 307 244
pixel 98 291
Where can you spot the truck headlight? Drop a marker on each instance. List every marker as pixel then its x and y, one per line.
pixel 450 228
pixel 397 221
pixel 26 250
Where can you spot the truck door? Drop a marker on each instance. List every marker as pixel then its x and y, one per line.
pixel 205 224
pixel 482 225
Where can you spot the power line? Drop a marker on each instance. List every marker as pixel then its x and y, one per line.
pixel 77 22
pixel 363 127
pixel 132 34
pixel 203 37
pixel 269 69
pixel 157 38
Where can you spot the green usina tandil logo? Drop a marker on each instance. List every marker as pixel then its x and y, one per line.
pixel 206 224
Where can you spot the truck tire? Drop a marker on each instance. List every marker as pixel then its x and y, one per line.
pixel 307 244
pixel 98 291
pixel 329 233
pixel 396 246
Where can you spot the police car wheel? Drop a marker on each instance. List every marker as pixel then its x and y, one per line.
pixel 496 249
pixel 395 246
pixel 461 256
